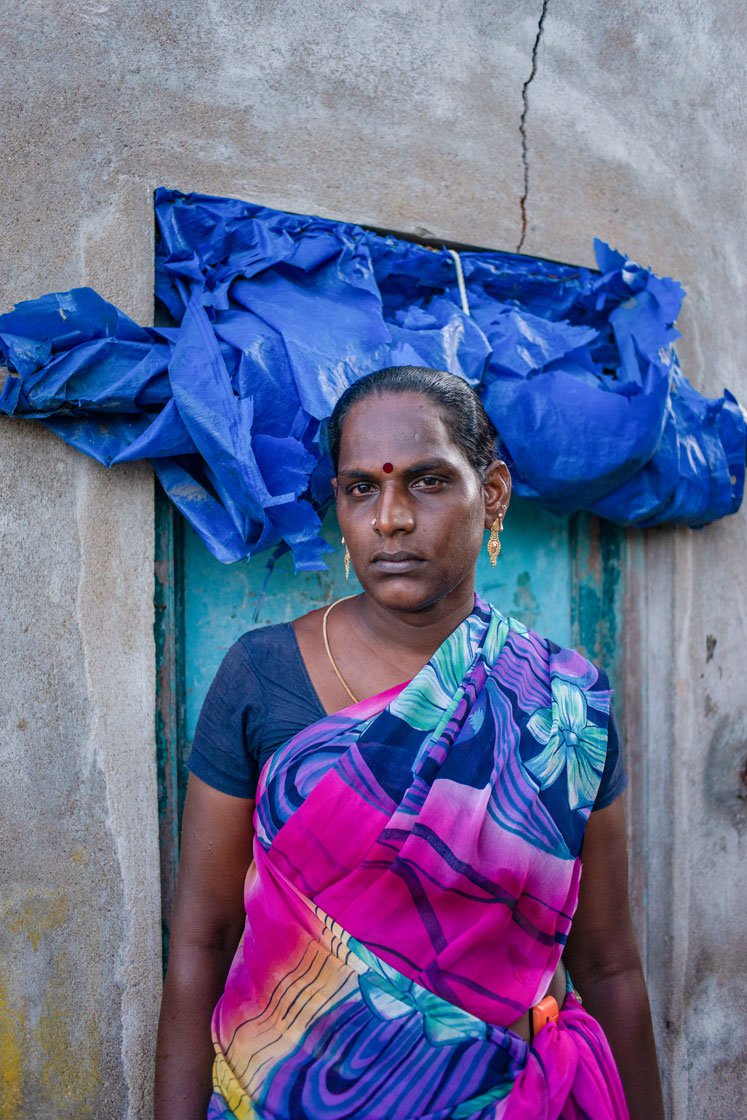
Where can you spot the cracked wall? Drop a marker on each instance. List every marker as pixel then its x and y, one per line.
pixel 523 126
pixel 447 120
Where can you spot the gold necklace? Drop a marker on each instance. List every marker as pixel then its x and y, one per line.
pixel 332 661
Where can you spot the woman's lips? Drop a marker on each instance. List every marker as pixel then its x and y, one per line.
pixel 397 562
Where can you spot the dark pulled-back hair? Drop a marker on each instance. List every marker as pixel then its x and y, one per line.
pixel 462 411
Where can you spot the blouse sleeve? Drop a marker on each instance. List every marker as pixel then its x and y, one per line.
pixel 614 779
pixel 222 754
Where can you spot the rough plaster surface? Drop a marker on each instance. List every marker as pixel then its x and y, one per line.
pixel 624 121
pixel 79 931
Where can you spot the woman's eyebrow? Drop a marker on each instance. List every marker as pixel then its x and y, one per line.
pixel 417 468
pixel 431 465
pixel 354 473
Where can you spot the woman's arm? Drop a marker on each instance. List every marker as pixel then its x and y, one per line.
pixel 206 926
pixel 604 963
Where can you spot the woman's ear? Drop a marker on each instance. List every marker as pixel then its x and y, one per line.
pixel 496 487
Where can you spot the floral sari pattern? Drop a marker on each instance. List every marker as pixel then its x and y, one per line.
pixel 416 869
pixel 571 741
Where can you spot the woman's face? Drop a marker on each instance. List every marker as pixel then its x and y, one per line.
pixel 430 506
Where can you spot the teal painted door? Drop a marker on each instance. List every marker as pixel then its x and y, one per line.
pixel 560 576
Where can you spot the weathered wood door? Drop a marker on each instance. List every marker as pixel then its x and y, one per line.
pixel 561 576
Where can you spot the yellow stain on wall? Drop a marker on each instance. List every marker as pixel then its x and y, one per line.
pixel 69 1070
pixel 11 1051
pixel 55 1047
pixel 37 916
pixel 68 1044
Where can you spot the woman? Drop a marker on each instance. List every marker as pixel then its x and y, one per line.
pixel 427 771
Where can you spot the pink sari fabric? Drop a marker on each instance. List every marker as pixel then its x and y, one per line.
pixel 417 861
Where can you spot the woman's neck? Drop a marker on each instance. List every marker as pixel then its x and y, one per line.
pixel 415 632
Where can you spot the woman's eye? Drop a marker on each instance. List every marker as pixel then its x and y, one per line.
pixel 360 489
pixel 429 481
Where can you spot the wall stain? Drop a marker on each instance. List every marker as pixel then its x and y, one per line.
pixel 710 647
pixel 726 770
pixel 597 588
pixel 38 916
pixel 63 1049
pixel 11 1055
pixel 525 601
pixel 69 1071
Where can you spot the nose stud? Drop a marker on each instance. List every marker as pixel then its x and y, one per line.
pixel 374 522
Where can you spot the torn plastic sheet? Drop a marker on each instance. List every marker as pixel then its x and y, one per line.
pixel 275 314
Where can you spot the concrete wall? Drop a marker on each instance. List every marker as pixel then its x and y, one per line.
pixel 419 117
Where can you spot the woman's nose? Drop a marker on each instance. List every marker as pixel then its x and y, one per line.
pixel 393 511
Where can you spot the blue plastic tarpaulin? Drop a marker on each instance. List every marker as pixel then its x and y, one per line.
pixel 271 315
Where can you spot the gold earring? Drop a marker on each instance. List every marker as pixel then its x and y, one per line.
pixel 347 559
pixel 494 544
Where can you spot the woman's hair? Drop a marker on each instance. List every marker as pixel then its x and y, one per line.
pixel 462 411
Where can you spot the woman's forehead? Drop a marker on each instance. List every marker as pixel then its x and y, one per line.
pixel 389 426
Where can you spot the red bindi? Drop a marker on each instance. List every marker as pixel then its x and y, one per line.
pixel 387 468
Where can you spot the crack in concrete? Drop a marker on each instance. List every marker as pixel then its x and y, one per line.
pixel 523 125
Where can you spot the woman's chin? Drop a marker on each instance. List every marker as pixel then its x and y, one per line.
pixel 407 592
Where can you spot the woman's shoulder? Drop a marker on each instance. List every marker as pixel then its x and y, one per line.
pixel 259 654
pixel 264 641
pixel 237 677
pixel 271 659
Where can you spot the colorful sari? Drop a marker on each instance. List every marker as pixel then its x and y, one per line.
pixel 416 869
